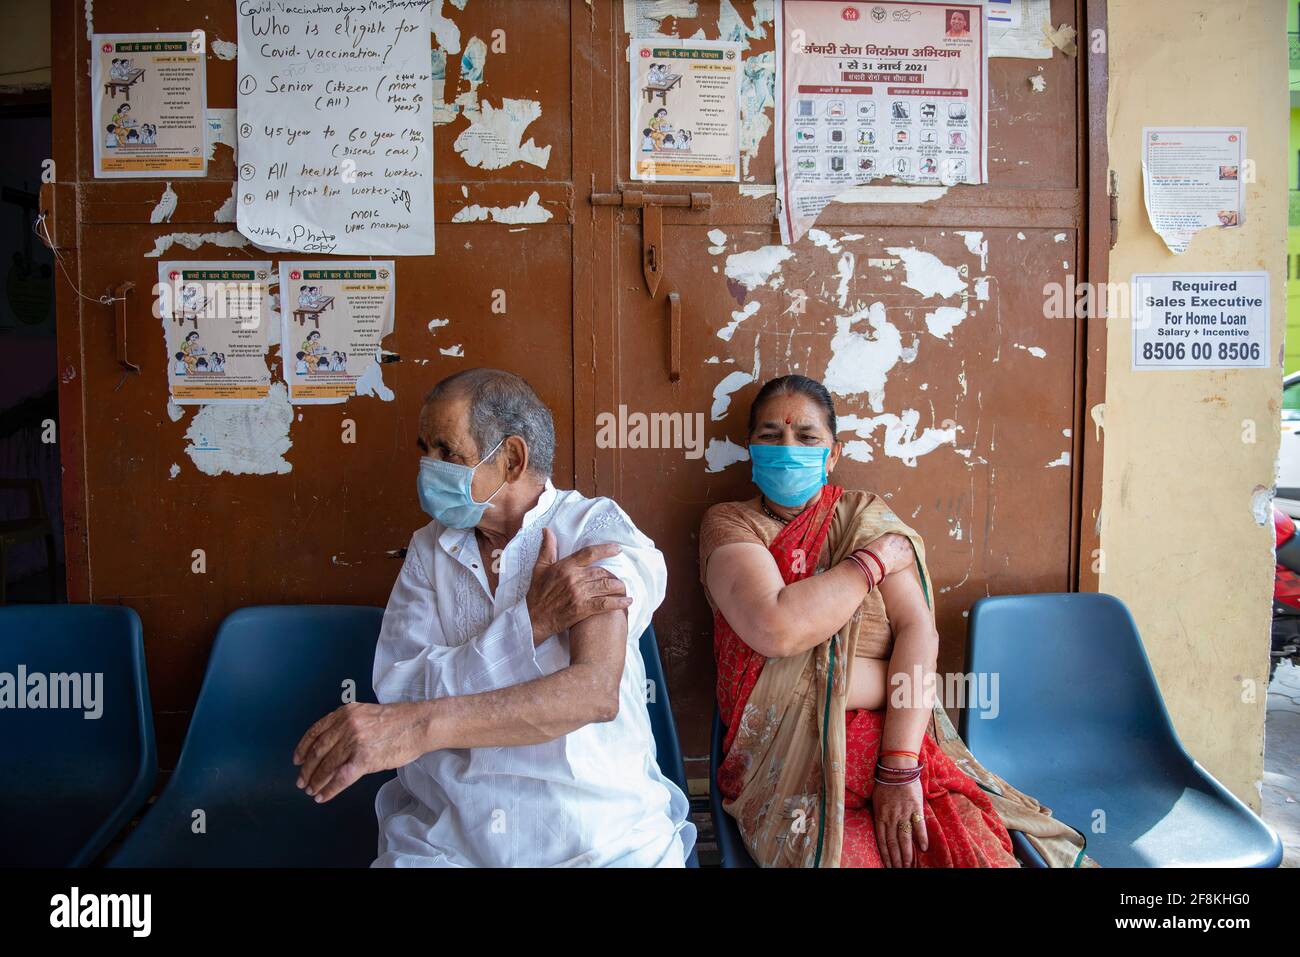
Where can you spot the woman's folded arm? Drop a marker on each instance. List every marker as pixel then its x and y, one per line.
pixel 773 618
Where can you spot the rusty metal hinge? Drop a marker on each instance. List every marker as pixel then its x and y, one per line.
pixel 1114 208
pixel 652 223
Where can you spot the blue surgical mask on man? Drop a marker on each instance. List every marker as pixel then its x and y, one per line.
pixel 789 475
pixel 446 491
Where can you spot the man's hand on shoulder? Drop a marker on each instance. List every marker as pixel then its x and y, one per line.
pixel 566 591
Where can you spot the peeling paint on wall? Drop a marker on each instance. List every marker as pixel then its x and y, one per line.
pixel 493 139
pixel 977 244
pixel 243 439
pixel 901 439
pixel 756 266
pixel 1062 460
pixel 1261 505
pixel 230 239
pixel 722 453
pixel 927 273
pixel 221 131
pixel 891 194
pixel 455 351
pixel 371 382
pixel 444 31
pixel 737 317
pixel 226 211
pixel 943 320
pixel 859 362
pixel 733 382
pixel 757 105
pixel 166 205
pixel 224 49
pixel 528 211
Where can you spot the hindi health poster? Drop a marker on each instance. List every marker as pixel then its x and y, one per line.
pixel 333 316
pixel 148 104
pixel 1193 178
pixel 336 126
pixel 873 90
pixel 685 110
pixel 217 322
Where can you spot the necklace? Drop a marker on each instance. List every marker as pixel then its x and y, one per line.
pixel 762 501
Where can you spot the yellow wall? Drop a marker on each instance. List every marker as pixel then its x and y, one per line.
pixel 1179 540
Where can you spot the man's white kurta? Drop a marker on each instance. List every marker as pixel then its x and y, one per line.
pixel 595 797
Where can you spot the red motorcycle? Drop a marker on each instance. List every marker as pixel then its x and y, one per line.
pixel 1286 592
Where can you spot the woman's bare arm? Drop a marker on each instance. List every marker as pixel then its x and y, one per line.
pixel 773 618
pixel 916 651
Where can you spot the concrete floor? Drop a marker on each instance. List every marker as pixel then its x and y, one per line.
pixel 1282 760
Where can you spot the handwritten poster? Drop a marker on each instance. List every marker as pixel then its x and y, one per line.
pixel 335 126
pixel 1193 178
pixel 685 110
pixel 149 100
pixel 333 316
pixel 882 89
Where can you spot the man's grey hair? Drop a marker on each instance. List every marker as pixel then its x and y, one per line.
pixel 501 404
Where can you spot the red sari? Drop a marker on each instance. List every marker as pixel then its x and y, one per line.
pixel 963 828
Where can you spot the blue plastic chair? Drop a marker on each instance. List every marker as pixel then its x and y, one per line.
pixel 1081 726
pixel 71 783
pixel 274 671
pixel 731 846
pixel 668 751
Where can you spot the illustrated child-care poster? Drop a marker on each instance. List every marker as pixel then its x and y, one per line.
pixel 333 316
pixel 217 320
pixel 886 89
pixel 149 96
pixel 685 110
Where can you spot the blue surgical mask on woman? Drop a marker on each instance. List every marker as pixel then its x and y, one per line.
pixel 446 491
pixel 789 474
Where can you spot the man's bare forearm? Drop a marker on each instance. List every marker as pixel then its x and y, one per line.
pixel 544 708
pixel 530 713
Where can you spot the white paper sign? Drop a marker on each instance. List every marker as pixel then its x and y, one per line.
pixel 1200 320
pixel 1193 178
pixel 335 126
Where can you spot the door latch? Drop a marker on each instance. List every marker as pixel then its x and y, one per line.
pixel 652 224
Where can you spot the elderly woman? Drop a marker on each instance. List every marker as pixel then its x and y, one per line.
pixel 822 603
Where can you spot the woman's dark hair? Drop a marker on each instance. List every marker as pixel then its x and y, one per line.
pixel 794 385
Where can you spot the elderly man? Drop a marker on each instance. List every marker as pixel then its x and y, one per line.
pixel 512 690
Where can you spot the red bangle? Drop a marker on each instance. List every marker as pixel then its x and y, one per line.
pixel 875 558
pixel 866 572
